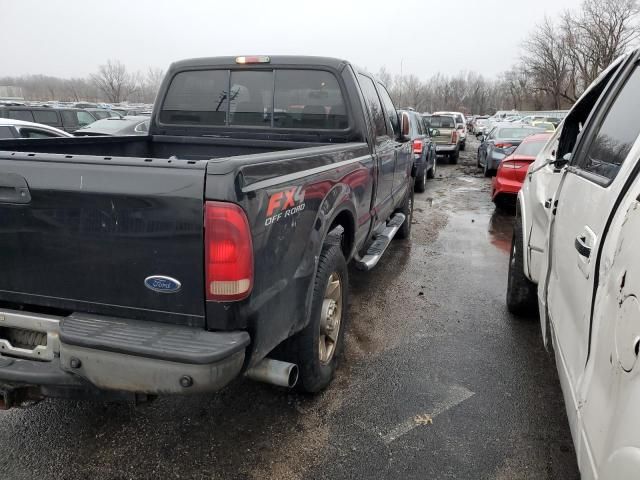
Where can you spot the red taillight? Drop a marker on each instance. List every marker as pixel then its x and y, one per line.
pixel 514 164
pixel 417 147
pixel 228 252
pixel 504 145
pixel 454 137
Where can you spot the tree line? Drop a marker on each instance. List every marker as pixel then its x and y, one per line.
pixel 112 83
pixel 559 59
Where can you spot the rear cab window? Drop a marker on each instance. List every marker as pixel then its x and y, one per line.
pixel 268 98
pixel 374 105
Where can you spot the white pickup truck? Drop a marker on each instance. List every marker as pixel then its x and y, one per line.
pixel 575 251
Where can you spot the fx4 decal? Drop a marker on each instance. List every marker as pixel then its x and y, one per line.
pixel 284 204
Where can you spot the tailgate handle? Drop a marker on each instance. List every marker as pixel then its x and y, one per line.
pixel 14 189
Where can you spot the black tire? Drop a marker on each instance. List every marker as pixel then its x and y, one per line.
pixel 521 292
pixel 478 160
pixel 304 348
pixel 407 209
pixel 431 173
pixel 421 180
pixel 463 145
pixel 454 157
pixel 486 171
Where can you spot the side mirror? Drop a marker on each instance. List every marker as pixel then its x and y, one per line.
pixel 562 162
pixel 460 127
pixel 480 136
pixel 404 127
pixel 434 132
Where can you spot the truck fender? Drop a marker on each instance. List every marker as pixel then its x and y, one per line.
pixel 338 205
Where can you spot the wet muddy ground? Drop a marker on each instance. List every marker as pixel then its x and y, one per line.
pixel 438 381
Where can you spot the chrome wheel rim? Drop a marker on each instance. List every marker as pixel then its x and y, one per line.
pixel 330 318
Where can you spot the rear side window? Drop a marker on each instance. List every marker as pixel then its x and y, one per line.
pixel 197 98
pixel 48 117
pixel 617 133
pixel 308 99
pixel 373 103
pixel 281 98
pixel 85 118
pixel 24 115
pixel 68 118
pixel 251 98
pixel 6 132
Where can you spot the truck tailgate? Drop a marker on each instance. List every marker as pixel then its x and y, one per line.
pixel 88 232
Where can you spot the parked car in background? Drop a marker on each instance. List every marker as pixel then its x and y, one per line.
pixel 132 111
pixel 424 150
pixel 116 126
pixel 446 136
pixel 478 124
pixel 67 119
pixel 461 126
pixel 574 255
pixel 18 129
pixel 544 125
pixel 513 170
pixel 102 113
pixel 501 141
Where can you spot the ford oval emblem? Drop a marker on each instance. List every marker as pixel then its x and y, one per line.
pixel 162 284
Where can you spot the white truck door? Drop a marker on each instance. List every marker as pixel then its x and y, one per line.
pixel 585 198
pixel 610 388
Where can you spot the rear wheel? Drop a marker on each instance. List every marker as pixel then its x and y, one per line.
pixel 317 348
pixel 486 171
pixel 407 209
pixel 454 157
pixel 421 180
pixel 521 292
pixel 431 173
pixel 463 145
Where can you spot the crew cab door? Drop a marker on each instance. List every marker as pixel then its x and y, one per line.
pixel 586 196
pixel 404 155
pixel 384 147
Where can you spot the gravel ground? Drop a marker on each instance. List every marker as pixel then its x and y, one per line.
pixel 438 381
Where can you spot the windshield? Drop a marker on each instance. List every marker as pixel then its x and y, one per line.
pixel 516 133
pixel 530 149
pixel 442 122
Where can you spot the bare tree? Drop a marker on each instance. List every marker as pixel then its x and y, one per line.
pixel 115 82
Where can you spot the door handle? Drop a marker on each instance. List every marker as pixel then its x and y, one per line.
pixel 14 189
pixel 581 246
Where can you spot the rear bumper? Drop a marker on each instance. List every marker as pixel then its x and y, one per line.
pixel 446 148
pixel 505 186
pixel 98 353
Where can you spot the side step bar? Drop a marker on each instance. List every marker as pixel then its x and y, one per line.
pixel 380 244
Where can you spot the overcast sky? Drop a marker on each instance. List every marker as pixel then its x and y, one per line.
pixel 72 37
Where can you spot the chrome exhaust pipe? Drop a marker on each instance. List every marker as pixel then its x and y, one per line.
pixel 275 372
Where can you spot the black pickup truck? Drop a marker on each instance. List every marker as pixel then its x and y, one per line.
pixel 213 247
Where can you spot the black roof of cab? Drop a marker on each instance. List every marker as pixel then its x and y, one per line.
pixel 280 60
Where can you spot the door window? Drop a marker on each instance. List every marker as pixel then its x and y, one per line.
pixel 374 104
pixel 36 133
pixel 389 109
pixel 616 134
pixel 48 117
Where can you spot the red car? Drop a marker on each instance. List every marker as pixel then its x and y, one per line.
pixel 513 169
